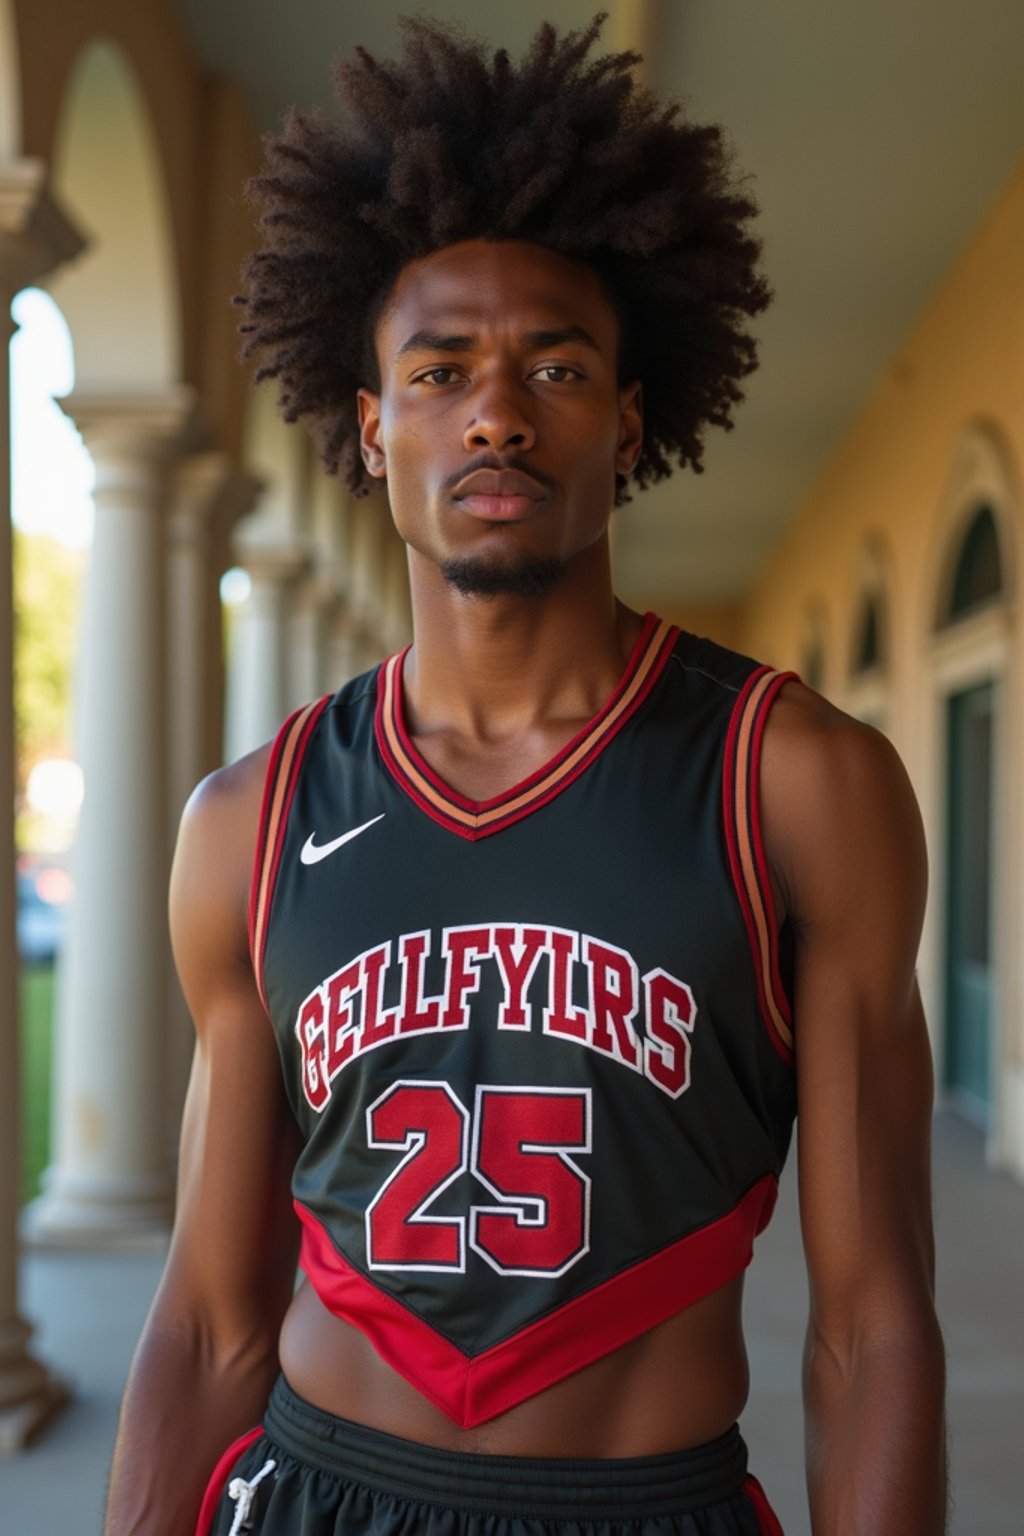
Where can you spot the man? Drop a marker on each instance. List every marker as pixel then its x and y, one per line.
pixel 556 918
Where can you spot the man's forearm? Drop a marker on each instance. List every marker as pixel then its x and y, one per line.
pixel 183 1406
pixel 876 1452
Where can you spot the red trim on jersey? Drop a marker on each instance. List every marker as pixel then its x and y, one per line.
pixel 285 759
pixel 754 810
pixel 474 819
pixel 749 868
pixel 767 1519
pixel 219 1477
pixel 473 1389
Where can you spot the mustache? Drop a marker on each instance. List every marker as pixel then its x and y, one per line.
pixel 499 461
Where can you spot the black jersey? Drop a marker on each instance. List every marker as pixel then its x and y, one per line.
pixel 540 1046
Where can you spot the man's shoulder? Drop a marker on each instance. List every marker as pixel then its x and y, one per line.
pixel 836 799
pixel 233 791
pixel 813 746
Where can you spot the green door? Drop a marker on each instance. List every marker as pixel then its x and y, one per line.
pixel 968 1056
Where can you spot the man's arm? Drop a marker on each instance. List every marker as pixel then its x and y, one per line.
pixel 847 850
pixel 208 1354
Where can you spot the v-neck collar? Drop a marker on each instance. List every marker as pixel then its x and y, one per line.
pixel 474 819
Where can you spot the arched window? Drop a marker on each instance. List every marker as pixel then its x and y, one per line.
pixel 869 637
pixel 812 669
pixel 978 573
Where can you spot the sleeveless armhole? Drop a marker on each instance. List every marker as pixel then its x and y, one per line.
pixel 278 791
pixel 742 815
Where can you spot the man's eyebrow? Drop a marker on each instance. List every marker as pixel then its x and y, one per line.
pixel 435 341
pixel 536 341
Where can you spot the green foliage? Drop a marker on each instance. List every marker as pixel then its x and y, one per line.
pixel 47 588
pixel 36 1052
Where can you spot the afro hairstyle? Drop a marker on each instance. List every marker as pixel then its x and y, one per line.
pixel 453 143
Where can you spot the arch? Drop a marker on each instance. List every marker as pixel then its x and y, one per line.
pixel 977 576
pixel 813 649
pixel 871 639
pixel 51 472
pixel 121 298
pixel 10 85
pixel 978 512
pixel 974 726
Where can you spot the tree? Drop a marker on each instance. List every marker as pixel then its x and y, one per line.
pixel 47 593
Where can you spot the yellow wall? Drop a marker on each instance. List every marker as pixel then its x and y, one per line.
pixel 943 429
pixel 963 362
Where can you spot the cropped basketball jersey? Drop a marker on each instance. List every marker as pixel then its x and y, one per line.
pixel 539 1047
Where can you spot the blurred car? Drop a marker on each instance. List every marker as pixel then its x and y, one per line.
pixel 44 904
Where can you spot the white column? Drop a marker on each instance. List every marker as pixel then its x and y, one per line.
pixel 34 238
pixel 109 1181
pixel 207 490
pixel 258 685
pixel 396 608
pixel 333 522
pixel 367 546
pixel 307 636
pixel 342 658
pixel 638 24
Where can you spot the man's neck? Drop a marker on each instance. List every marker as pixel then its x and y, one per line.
pixel 489 668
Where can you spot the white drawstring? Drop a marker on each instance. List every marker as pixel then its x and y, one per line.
pixel 244 1493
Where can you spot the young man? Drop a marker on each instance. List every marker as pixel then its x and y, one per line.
pixel 556 918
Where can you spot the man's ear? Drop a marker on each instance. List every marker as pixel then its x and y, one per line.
pixel 631 427
pixel 368 405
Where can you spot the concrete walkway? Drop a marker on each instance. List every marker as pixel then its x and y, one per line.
pixel 89 1309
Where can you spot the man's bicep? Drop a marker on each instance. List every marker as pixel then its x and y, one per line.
pixel 235 1237
pixel 854 867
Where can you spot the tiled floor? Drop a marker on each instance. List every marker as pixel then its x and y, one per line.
pixel 89 1308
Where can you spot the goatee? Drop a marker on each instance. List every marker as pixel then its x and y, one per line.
pixel 484 578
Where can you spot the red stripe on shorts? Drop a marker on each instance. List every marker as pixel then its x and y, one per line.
pixel 221 1472
pixel 767 1519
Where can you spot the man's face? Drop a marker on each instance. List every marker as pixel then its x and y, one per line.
pixel 500 423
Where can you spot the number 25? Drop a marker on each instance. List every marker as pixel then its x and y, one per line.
pixel 516 1143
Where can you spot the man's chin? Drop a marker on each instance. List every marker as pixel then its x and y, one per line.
pixel 488 578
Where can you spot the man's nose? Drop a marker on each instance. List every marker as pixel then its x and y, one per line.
pixel 499 418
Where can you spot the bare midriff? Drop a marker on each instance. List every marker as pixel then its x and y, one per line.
pixel 676 1386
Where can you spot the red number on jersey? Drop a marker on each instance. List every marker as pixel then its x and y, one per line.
pixel 522 1138
pixel 430 1125
pixel 520 1146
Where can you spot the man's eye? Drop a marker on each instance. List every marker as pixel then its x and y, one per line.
pixel 437 376
pixel 556 373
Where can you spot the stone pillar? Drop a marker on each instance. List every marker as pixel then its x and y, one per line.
pixel 34 238
pixel 258 684
pixel 367 547
pixel 307 640
pixel 109 1181
pixel 396 608
pixel 207 491
pixel 342 661
pixel 638 24
pixel 333 518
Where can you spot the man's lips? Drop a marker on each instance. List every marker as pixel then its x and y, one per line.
pixel 500 494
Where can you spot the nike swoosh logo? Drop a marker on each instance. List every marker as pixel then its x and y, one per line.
pixel 311 854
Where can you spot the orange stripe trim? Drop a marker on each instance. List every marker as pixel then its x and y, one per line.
pixel 745 811
pixel 745 844
pixel 276 798
pixel 479 816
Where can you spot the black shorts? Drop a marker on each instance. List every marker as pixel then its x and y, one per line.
pixel 305 1473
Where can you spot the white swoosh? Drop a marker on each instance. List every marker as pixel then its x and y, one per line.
pixel 311 854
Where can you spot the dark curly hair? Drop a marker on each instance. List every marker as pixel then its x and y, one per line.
pixel 451 144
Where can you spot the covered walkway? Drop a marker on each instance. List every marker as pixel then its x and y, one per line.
pixel 89 1308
